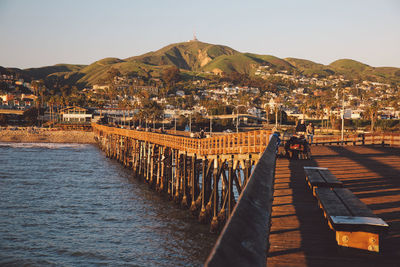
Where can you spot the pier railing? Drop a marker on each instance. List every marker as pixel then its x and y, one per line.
pixel 244 239
pixel 205 175
pixel 392 139
pixel 235 143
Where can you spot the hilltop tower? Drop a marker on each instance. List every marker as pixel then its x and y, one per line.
pixel 194 38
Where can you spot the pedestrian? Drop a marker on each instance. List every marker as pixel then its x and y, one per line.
pixel 278 139
pixel 301 127
pixel 202 134
pixel 310 133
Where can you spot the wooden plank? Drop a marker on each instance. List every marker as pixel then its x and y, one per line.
pixel 330 179
pixel 330 202
pixel 321 177
pixel 375 221
pixel 359 240
pixel 346 212
pixel 353 204
pixel 314 178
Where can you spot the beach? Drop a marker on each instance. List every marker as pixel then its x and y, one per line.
pixel 28 135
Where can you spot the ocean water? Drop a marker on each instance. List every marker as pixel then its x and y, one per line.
pixel 68 205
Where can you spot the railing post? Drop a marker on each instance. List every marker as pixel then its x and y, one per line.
pixel 202 215
pixel 230 185
pixel 184 202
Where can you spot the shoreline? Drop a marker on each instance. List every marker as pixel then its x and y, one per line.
pixel 47 136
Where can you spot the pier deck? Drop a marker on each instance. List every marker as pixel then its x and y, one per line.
pixel 300 236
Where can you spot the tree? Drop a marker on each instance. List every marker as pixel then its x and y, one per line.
pixel 371 112
pixel 267 111
pixel 171 76
pixel 31 115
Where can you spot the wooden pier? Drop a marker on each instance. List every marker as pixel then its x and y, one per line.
pixel 300 235
pixel 210 176
pixel 204 175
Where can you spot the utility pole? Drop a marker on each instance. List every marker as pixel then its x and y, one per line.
pixel 210 126
pixel 343 117
pixel 175 123
pixel 190 122
pixel 237 120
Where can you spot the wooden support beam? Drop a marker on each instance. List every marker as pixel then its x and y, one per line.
pixel 214 221
pixel 230 186
pixel 184 202
pixel 203 215
pixel 193 183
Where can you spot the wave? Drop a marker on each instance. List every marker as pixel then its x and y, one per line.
pixel 42 145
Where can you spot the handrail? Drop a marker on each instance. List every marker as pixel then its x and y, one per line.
pixel 244 239
pixel 235 143
pixel 392 139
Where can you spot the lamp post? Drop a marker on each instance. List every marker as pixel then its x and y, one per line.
pixel 163 121
pixel 210 125
pixel 237 119
pixel 175 123
pixel 190 122
pixel 343 117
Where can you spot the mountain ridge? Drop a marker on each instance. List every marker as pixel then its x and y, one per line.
pixel 196 56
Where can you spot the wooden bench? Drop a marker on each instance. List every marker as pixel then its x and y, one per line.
pixel 356 226
pixel 321 177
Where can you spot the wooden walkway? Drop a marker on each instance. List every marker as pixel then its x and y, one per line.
pixel 300 235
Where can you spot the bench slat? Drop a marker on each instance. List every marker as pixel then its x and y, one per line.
pixel 346 212
pixel 329 177
pixel 314 177
pixel 359 220
pixel 330 203
pixel 321 177
pixel 353 203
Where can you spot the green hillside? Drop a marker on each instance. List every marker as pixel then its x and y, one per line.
pixel 197 58
pixel 188 55
pixel 233 63
pixel 274 62
pixel 43 72
pixel 348 65
pixel 356 70
pixel 245 63
pixel 309 68
pixel 96 72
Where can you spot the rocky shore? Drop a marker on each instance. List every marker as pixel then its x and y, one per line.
pixel 28 135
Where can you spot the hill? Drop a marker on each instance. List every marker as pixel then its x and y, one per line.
pixel 189 55
pixel 198 57
pixel 309 68
pixel 42 72
pixel 356 70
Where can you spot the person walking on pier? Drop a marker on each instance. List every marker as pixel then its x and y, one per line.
pixel 301 127
pixel 310 133
pixel 202 134
pixel 278 139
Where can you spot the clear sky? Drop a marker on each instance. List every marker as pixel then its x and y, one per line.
pixel 36 33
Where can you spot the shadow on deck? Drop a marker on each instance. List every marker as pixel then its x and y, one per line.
pixel 300 235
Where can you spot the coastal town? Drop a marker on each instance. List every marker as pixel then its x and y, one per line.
pixel 267 97
pixel 200 133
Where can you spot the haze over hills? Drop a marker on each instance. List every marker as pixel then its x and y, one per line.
pixel 198 58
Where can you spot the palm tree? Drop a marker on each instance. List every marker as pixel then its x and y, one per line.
pixel 371 112
pixel 267 111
